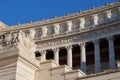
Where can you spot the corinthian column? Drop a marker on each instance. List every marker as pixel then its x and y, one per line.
pixel 69 55
pixel 83 56
pixel 56 55
pixel 111 52
pixel 97 56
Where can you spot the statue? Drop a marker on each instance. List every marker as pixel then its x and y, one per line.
pixel 82 23
pixel 44 31
pixel 95 19
pixel 109 15
pixel 57 28
pixel 69 23
pixel 32 33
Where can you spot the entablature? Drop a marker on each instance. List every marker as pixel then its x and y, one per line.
pixel 75 38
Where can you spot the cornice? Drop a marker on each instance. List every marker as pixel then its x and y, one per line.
pixel 61 19
pixel 104 25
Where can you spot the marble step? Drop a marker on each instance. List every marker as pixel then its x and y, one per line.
pixel 74 74
pixel 48 64
pixel 60 69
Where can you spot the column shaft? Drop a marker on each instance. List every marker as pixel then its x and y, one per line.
pixel 97 56
pixel 83 57
pixel 56 55
pixel 69 56
pixel 111 53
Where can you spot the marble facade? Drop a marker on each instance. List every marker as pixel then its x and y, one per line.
pixel 25 48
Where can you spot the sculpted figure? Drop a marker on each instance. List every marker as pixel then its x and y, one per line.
pixel 3 40
pixel 44 31
pixel 82 23
pixel 15 39
pixel 69 23
pixel 95 16
pixel 109 15
pixel 32 33
pixel 57 28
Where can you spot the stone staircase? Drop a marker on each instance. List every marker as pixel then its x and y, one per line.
pixel 50 70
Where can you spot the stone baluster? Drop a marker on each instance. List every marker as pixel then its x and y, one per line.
pixel 95 19
pixel 83 56
pixel 97 56
pixel 82 23
pixel 56 54
pixel 69 55
pixel 111 52
pixel 56 28
pixel 108 14
pixel 44 31
pixel 69 24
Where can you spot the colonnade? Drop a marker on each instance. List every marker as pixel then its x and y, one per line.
pixel 82 46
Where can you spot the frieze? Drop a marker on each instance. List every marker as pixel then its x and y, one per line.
pixel 9 39
pixel 74 39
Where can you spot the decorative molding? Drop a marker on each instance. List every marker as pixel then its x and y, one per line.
pixel 62 18
pixel 102 32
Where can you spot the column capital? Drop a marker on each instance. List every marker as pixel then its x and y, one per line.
pixel 43 51
pixel 81 44
pixel 55 49
pixel 68 47
pixel 96 41
pixel 110 38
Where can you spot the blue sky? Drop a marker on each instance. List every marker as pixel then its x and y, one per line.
pixel 23 11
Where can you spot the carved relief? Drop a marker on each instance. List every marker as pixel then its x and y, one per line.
pixel 74 39
pixel 9 39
